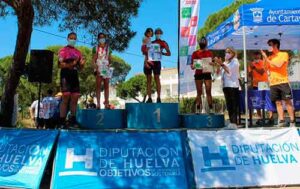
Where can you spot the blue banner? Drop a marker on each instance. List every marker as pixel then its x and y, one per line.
pixel 23 156
pixel 268 12
pixel 260 21
pixel 119 160
pixel 261 100
pixel 245 158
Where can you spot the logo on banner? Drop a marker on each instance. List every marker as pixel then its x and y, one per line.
pixel 192 40
pixel 185 31
pixel 186 12
pixel 184 51
pixel 123 162
pixel 257 14
pixel 256 101
pixel 236 20
pixel 194 21
pixel 190 2
pixel 18 158
pixel 210 160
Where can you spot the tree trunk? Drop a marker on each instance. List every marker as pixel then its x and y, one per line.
pixel 137 99
pixel 25 15
pixel 144 98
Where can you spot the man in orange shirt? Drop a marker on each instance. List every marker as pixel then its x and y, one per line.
pixel 258 74
pixel 277 64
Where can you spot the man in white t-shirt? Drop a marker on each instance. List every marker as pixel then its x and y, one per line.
pixel 38 122
pixel 50 106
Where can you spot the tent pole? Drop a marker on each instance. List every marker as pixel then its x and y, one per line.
pixel 178 51
pixel 245 79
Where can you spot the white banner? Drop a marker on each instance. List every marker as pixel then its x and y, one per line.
pixel 189 17
pixel 240 158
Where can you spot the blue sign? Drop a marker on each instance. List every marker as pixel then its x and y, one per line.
pixel 259 21
pixel 23 156
pixel 261 100
pixel 197 121
pixel 101 119
pixel 152 116
pixel 272 13
pixel 119 160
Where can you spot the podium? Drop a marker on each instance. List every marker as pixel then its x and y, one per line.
pixel 202 121
pixel 101 119
pixel 152 116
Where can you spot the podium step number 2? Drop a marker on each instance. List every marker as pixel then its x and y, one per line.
pixel 101 119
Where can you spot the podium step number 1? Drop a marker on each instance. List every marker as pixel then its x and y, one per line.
pixel 152 116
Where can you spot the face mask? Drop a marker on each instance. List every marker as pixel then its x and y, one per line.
pixel 158 36
pixel 202 45
pixel 295 52
pixel 270 49
pixel 102 40
pixel 227 56
pixel 71 42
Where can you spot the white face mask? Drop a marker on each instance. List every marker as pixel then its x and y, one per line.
pixel 158 36
pixel 72 42
pixel 102 40
pixel 227 56
pixel 270 49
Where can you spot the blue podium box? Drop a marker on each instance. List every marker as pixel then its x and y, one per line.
pixel 101 119
pixel 152 116
pixel 201 121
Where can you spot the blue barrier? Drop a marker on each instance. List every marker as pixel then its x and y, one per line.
pixel 23 156
pixel 101 119
pixel 119 160
pixel 200 121
pixel 261 100
pixel 152 116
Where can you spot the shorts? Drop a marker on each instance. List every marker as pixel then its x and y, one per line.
pixel 69 82
pixel 281 92
pixel 203 76
pixel 49 123
pixel 38 122
pixel 155 68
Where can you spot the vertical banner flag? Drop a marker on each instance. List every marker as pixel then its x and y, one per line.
pixel 23 156
pixel 119 160
pixel 189 17
pixel 245 158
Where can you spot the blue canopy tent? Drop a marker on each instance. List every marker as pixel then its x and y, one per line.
pixel 252 25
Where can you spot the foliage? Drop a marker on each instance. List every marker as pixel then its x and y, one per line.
pixel 93 16
pixel 28 92
pixel 111 17
pixel 134 87
pixel 214 20
pixel 188 105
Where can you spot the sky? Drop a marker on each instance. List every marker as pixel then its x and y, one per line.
pixel 152 13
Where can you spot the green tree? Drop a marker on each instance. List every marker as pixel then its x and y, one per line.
pixel 133 88
pixel 28 92
pixel 214 20
pixel 111 17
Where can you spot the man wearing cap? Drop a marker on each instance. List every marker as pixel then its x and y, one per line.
pixel 155 66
